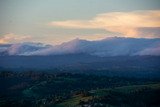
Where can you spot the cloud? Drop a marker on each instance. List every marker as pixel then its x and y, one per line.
pixel 126 23
pixel 13 38
pixel 150 51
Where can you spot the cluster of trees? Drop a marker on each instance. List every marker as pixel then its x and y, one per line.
pixel 44 88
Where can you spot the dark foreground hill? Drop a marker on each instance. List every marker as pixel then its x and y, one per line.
pixel 41 89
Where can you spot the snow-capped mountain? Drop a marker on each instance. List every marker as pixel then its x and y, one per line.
pixel 113 46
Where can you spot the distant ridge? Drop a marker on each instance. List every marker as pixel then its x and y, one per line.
pixel 112 46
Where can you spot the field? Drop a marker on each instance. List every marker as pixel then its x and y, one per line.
pixel 148 96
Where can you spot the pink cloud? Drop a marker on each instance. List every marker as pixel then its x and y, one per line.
pixel 13 38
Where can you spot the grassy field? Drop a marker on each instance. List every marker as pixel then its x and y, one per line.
pixel 74 101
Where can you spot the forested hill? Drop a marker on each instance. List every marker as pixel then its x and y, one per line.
pixel 83 63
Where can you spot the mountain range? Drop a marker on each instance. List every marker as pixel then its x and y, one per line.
pixel 112 46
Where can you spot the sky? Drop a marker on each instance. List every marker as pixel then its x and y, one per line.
pixel 57 21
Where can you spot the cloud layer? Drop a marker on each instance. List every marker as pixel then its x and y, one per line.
pixel 13 38
pixel 126 23
pixel 113 46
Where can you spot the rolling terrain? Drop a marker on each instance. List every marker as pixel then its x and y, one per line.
pixel 22 89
